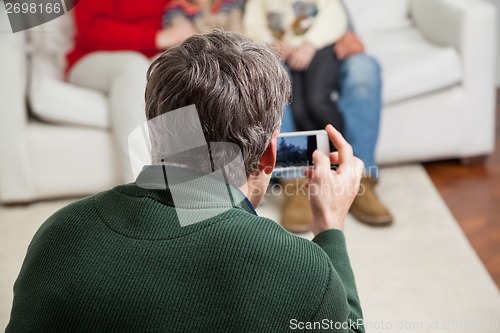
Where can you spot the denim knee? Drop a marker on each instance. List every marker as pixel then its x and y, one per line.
pixel 361 71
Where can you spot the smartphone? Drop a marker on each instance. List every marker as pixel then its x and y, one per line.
pixel 295 149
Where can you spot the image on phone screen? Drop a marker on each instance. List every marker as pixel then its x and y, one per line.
pixel 295 151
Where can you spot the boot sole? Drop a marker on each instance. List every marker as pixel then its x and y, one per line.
pixel 370 220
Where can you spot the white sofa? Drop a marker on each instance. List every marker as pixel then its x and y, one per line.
pixel 438 61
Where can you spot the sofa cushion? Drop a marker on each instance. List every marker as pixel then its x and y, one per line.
pixel 411 65
pixel 59 102
pixel 51 98
pixel 378 15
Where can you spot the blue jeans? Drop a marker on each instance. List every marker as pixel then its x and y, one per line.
pixel 287 122
pixel 360 103
pixel 360 100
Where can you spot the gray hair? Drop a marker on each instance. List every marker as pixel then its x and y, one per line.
pixel 239 87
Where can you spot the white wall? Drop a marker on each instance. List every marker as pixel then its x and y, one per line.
pixel 497 4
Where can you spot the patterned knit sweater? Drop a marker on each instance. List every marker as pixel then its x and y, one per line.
pixel 120 261
pixel 319 22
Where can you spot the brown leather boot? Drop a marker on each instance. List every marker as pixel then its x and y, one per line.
pixel 296 215
pixel 367 207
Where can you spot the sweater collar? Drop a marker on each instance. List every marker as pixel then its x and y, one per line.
pixel 188 189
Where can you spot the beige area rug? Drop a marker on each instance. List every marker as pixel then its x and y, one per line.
pixel 420 275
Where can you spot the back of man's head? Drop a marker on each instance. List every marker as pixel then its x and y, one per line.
pixel 238 87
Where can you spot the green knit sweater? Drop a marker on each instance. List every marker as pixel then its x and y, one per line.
pixel 120 261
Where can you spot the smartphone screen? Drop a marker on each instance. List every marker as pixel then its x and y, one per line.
pixel 296 151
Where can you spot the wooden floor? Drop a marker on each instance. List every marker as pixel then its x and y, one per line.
pixel 473 195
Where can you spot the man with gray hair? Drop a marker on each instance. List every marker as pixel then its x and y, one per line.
pixel 163 255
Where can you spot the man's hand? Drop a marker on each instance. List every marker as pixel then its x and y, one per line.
pixel 348 45
pixel 300 58
pixel 332 192
pixel 283 49
pixel 174 35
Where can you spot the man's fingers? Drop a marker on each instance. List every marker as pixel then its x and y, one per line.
pixel 334 157
pixel 321 163
pixel 359 169
pixel 339 51
pixel 336 49
pixel 295 63
pixel 307 173
pixel 343 147
pixel 291 61
pixel 360 166
pixel 300 64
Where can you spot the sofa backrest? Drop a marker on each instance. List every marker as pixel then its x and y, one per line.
pixel 53 40
pixel 370 16
pixel 50 42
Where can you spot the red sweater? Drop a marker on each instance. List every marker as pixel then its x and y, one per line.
pixel 114 25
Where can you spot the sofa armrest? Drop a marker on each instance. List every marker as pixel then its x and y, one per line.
pixel 455 23
pixel 13 78
pixel 15 177
pixel 469 26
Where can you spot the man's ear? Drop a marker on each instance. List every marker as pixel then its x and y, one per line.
pixel 268 160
